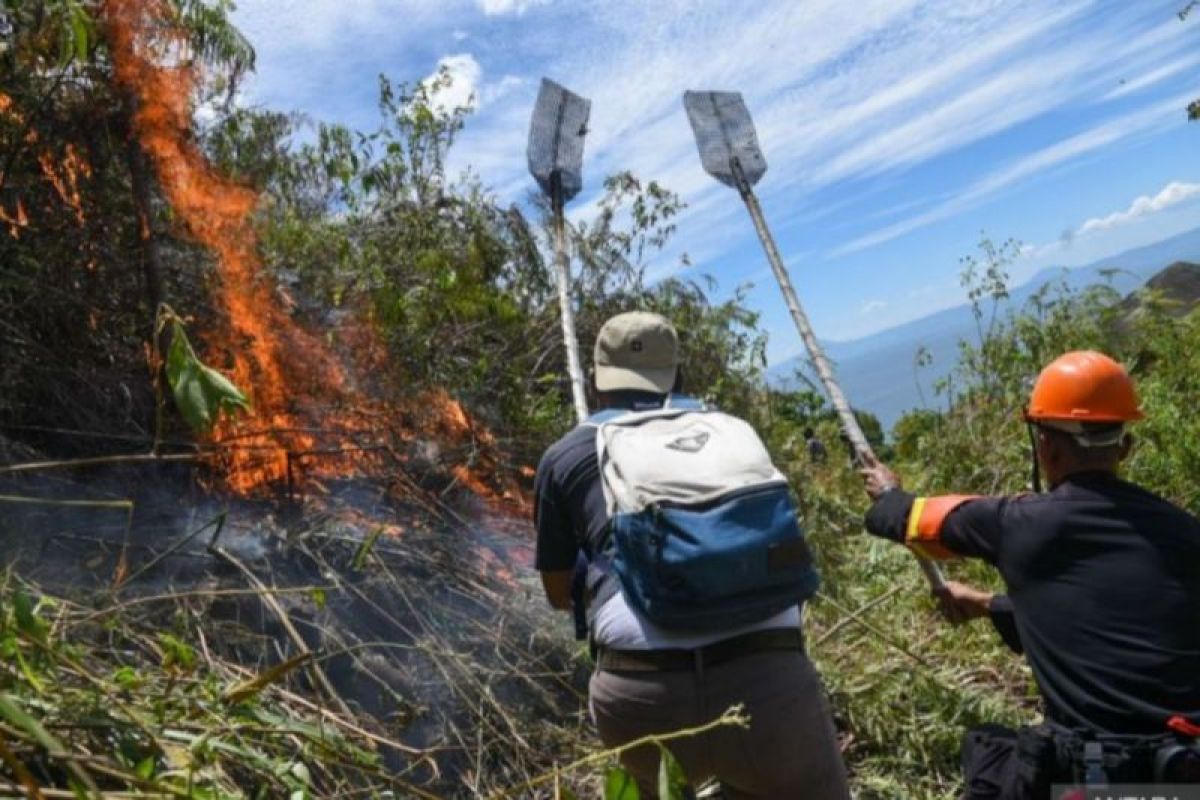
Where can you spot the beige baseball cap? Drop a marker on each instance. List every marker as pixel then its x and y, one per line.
pixel 637 351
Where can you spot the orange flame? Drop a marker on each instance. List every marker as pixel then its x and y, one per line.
pixel 292 376
pixel 64 175
pixel 216 212
pixel 16 220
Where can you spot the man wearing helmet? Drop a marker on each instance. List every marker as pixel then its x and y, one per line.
pixel 1103 595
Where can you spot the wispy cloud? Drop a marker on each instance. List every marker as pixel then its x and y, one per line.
pixel 871 306
pixel 1152 77
pixel 851 100
pixel 1028 166
pixel 497 7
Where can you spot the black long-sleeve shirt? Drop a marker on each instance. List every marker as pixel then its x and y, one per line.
pixel 1104 582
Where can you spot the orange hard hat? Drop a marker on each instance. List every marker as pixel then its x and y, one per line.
pixel 1085 386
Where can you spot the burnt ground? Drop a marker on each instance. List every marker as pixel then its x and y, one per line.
pixel 419 605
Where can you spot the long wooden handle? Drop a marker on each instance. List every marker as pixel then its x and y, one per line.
pixel 850 425
pixel 563 277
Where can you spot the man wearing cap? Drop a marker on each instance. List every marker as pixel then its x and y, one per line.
pixel 790 749
pixel 1103 598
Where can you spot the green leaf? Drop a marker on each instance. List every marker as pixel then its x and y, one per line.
pixel 145 767
pixel 620 785
pixel 176 653
pixel 201 393
pixel 28 622
pixel 672 783
pixel 17 716
pixel 38 685
pixel 79 32
pixel 127 678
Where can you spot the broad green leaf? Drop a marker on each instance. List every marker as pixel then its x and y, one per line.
pixel 672 783
pixel 201 393
pixel 620 785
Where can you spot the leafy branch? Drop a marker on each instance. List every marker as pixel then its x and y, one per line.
pixel 201 393
pixel 735 715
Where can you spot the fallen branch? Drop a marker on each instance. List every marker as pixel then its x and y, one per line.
pixel 881 635
pixel 855 616
pixel 265 595
pixel 139 458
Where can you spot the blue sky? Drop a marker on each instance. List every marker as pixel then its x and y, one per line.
pixel 895 131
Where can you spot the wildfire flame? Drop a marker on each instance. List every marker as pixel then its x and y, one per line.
pixel 216 212
pixel 62 172
pixel 293 378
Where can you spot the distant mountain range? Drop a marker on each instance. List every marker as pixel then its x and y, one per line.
pixel 878 373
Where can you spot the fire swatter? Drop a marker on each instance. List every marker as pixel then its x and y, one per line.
pixel 555 155
pixel 729 151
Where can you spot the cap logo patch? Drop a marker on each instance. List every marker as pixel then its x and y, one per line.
pixel 690 444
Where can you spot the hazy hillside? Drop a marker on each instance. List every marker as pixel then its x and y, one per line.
pixel 878 372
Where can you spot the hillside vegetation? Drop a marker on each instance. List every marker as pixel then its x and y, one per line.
pixel 424 285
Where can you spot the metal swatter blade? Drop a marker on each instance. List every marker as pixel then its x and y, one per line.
pixel 724 132
pixel 556 135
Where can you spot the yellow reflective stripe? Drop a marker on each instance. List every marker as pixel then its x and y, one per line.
pixel 914 519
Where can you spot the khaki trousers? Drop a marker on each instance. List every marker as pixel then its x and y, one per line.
pixel 789 751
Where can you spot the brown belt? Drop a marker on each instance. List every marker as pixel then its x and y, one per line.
pixel 711 655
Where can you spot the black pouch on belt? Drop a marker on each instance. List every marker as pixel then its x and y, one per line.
pixel 989 762
pixel 1037 759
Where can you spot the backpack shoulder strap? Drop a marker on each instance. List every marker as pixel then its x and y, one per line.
pixel 605 415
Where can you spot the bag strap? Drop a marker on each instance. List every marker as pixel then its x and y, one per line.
pixel 605 415
pixel 607 586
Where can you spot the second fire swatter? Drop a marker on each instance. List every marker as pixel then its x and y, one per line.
pixel 555 155
pixel 730 153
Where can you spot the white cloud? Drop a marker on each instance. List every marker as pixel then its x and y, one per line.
pixel 491 92
pixel 1172 194
pixel 871 306
pixel 847 97
pixel 462 91
pixel 874 92
pixel 496 7
pixel 1149 218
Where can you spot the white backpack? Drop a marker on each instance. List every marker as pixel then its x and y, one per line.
pixel 703 529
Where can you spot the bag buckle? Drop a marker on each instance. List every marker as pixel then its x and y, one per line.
pixel 1094 773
